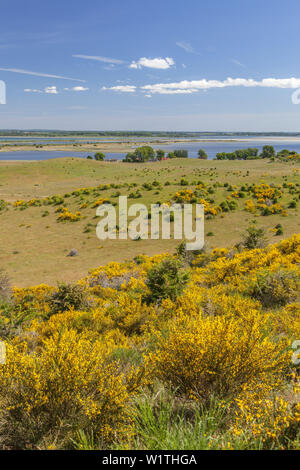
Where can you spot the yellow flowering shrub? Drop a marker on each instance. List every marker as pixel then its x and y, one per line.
pixel 35 297
pixel 272 421
pixel 204 356
pixel 68 383
pixel 66 215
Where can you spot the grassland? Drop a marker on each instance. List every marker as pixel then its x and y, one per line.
pixel 34 246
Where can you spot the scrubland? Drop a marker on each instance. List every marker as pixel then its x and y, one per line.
pixel 166 349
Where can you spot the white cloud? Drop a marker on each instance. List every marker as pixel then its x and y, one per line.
pixel 97 58
pixel 121 88
pixel 76 88
pixel 185 45
pixel 157 63
pixel 38 74
pixel 52 90
pixel 193 86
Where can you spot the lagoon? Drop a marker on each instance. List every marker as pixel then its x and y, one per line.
pixel 211 147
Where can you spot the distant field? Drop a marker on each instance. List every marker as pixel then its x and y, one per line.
pixel 34 246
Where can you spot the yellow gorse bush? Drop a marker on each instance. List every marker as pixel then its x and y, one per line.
pixel 68 382
pixel 204 356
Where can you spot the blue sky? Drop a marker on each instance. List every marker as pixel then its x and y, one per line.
pixel 150 65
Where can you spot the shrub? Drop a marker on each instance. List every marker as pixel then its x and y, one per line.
pixel 166 280
pixel 70 384
pixel 5 290
pixel 292 204
pixel 3 205
pixel 274 421
pixel 68 296
pixel 215 355
pixel 276 288
pixel 254 238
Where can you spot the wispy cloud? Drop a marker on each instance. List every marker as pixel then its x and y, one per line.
pixel 121 88
pixel 194 86
pixel 38 74
pixel 97 58
pixel 51 90
pixel 156 63
pixel 185 46
pixel 237 62
pixel 32 90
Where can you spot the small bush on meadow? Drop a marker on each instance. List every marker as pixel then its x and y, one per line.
pixel 254 238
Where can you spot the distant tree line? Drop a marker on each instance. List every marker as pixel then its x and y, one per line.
pixel 240 154
pixel 268 151
pixel 147 153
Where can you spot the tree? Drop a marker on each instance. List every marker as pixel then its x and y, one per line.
pixel 171 155
pixel 268 151
pixel 99 156
pixel 240 154
pixel 141 154
pixel 160 154
pixel 181 153
pixel 202 154
pixel 285 152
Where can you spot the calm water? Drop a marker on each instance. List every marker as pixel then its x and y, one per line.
pixel 211 148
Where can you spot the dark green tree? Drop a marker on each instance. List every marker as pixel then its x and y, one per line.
pixel 141 154
pixel 202 154
pixel 160 154
pixel 181 153
pixel 99 156
pixel 268 151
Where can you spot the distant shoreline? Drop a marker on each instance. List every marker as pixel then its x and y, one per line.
pixel 122 147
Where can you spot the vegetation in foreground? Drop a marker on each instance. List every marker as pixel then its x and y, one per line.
pixel 189 351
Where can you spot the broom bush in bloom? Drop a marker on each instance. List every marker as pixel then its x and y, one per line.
pixel 205 356
pixel 69 383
